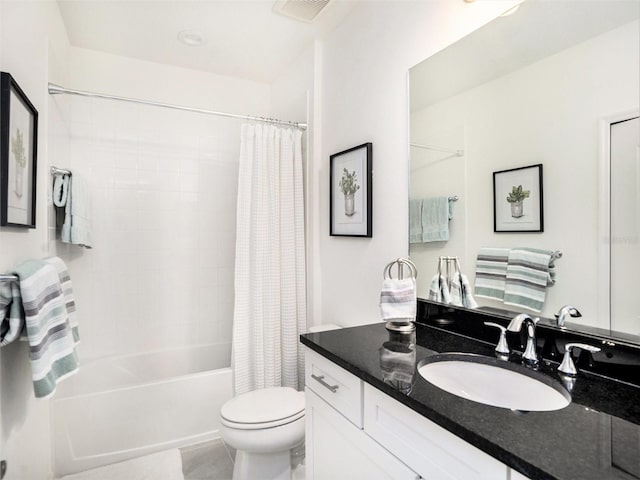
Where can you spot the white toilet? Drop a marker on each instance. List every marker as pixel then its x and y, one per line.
pixel 263 426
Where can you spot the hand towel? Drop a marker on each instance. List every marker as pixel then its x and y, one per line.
pixel 77 213
pixel 455 290
pixel 467 297
pixel 491 272
pixel 529 272
pixel 11 314
pixel 439 290
pixel 398 299
pixel 49 333
pixel 415 221
pixel 436 213
pixel 67 292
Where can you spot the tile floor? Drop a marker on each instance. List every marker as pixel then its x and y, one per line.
pixel 214 461
pixel 208 461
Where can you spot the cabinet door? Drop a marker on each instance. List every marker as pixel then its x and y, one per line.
pixel 432 451
pixel 337 450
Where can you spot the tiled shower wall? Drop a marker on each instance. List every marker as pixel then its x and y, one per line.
pixel 163 183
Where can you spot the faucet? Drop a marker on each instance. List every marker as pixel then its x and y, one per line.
pixel 564 311
pixel 529 357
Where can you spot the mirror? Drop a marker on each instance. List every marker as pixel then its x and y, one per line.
pixel 542 85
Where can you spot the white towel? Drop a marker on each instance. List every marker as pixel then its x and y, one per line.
pixel 77 213
pixel 491 272
pixel 398 299
pixel 49 333
pixel 439 290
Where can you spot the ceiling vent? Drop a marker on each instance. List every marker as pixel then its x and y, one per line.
pixel 302 10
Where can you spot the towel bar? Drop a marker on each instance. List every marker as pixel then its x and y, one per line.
pixel 59 171
pixel 9 278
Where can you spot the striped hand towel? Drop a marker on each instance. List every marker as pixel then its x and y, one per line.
pixel 439 290
pixel 467 297
pixel 491 272
pixel 398 298
pixel 67 292
pixel 529 273
pixel 11 314
pixel 49 333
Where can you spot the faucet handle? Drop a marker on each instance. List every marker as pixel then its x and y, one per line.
pixel 567 366
pixel 563 312
pixel 502 347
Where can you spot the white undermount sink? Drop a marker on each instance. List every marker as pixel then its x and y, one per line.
pixel 494 382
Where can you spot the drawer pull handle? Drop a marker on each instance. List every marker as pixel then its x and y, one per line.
pixel 320 379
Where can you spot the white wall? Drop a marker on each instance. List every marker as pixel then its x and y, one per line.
pixel 544 113
pixel 363 87
pixel 33 48
pixel 164 186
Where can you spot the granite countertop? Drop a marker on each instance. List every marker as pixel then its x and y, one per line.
pixel 596 437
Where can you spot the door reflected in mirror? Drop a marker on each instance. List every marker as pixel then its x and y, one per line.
pixel 555 83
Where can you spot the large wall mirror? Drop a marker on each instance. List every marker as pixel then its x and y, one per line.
pixel 553 83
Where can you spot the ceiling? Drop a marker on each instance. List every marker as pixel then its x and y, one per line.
pixel 535 31
pixel 243 38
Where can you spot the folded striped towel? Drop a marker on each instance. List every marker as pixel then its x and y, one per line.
pixel 439 290
pixel 11 314
pixel 398 298
pixel 491 272
pixel 529 272
pixel 49 333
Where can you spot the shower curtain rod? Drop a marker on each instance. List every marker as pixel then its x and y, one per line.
pixel 458 153
pixel 57 89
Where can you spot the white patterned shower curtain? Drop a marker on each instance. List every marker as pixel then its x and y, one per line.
pixel 270 303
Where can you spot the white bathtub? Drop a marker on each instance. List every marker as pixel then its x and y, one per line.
pixel 118 408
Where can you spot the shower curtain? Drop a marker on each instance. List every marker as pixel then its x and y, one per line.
pixel 270 304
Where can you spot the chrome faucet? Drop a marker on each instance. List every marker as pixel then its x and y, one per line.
pixel 564 311
pixel 529 357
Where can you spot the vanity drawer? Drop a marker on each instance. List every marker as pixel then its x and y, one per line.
pixel 339 388
pixel 429 449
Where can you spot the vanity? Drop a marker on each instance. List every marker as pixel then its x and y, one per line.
pixel 371 415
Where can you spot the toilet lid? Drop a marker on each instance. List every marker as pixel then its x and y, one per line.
pixel 266 406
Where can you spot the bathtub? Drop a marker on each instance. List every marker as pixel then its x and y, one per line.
pixel 118 408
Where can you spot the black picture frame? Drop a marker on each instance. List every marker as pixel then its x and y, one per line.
pixel 18 155
pixel 518 200
pixel 350 192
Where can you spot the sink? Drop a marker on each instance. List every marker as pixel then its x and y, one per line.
pixel 494 382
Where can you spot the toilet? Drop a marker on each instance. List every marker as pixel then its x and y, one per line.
pixel 263 426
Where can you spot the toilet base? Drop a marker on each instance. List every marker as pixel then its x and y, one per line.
pixel 267 466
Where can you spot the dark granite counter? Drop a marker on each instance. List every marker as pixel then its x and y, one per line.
pixel 596 437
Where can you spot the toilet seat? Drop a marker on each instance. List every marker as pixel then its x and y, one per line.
pixel 265 408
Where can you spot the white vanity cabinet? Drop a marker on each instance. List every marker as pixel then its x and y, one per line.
pixel 354 430
pixel 336 446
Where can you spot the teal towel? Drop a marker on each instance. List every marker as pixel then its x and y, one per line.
pixel 529 272
pixel 415 221
pixel 77 213
pixel 436 213
pixel 491 272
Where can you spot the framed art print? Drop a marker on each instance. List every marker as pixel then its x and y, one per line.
pixel 517 200
pixel 18 155
pixel 350 192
